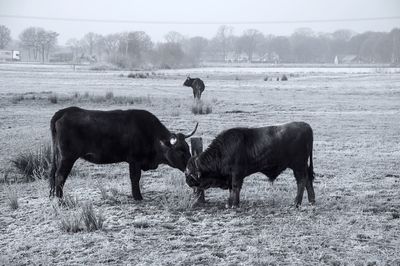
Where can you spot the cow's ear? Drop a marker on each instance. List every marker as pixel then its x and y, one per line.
pixel 173 140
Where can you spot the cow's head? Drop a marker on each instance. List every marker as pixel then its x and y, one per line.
pixel 176 150
pixel 188 82
pixel 203 179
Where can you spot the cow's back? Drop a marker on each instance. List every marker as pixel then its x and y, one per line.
pixel 198 84
pixel 107 136
pixel 272 147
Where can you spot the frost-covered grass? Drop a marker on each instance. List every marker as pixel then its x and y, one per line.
pixel 356 156
pixel 178 196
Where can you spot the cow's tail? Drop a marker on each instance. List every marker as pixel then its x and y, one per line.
pixel 310 169
pixel 52 177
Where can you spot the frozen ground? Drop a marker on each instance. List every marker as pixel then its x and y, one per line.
pixel 356 120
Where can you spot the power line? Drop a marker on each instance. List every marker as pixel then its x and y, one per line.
pixel 172 22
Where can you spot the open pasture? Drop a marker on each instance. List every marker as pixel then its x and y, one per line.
pixel 355 116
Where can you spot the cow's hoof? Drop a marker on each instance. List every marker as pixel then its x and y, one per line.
pixel 137 198
pixel 235 207
pixel 199 203
pixel 227 206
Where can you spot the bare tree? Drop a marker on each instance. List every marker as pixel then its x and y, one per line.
pixel 195 48
pixel 5 36
pixel 45 42
pixel 174 37
pixel 250 41
pixel 28 40
pixel 223 39
pixel 38 41
pixel 76 49
pixel 395 39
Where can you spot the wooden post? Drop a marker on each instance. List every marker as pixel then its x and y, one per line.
pixel 197 148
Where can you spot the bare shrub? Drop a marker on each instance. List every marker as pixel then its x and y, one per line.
pixel 132 100
pixel 34 164
pixel 17 98
pixel 109 95
pixel 138 75
pixel 53 98
pixel 91 220
pixel 11 196
pixel 199 108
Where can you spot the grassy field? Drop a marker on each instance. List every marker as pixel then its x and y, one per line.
pixel 356 122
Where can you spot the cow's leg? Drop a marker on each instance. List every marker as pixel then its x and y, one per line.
pixel 194 93
pixel 229 203
pixel 135 174
pixel 236 187
pixel 199 195
pixel 62 172
pixel 310 189
pixel 301 179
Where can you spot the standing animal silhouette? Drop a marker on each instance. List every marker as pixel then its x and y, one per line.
pixel 197 86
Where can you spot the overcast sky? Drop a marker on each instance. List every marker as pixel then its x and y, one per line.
pixel 204 11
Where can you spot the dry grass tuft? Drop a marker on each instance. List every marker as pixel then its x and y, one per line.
pixel 72 219
pixel 70 202
pixel 53 98
pixel 91 220
pixel 200 108
pixel 180 198
pixel 11 196
pixel 34 165
pixel 69 221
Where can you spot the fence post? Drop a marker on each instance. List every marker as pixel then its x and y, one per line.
pixel 197 148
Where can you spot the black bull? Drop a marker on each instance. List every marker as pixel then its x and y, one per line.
pixel 102 137
pixel 240 152
pixel 197 86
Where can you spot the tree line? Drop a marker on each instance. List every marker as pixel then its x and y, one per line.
pixel 136 48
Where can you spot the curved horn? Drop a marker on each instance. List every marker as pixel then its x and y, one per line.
pixel 191 134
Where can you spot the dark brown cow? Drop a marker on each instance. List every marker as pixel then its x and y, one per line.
pixel 197 86
pixel 240 152
pixel 103 137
